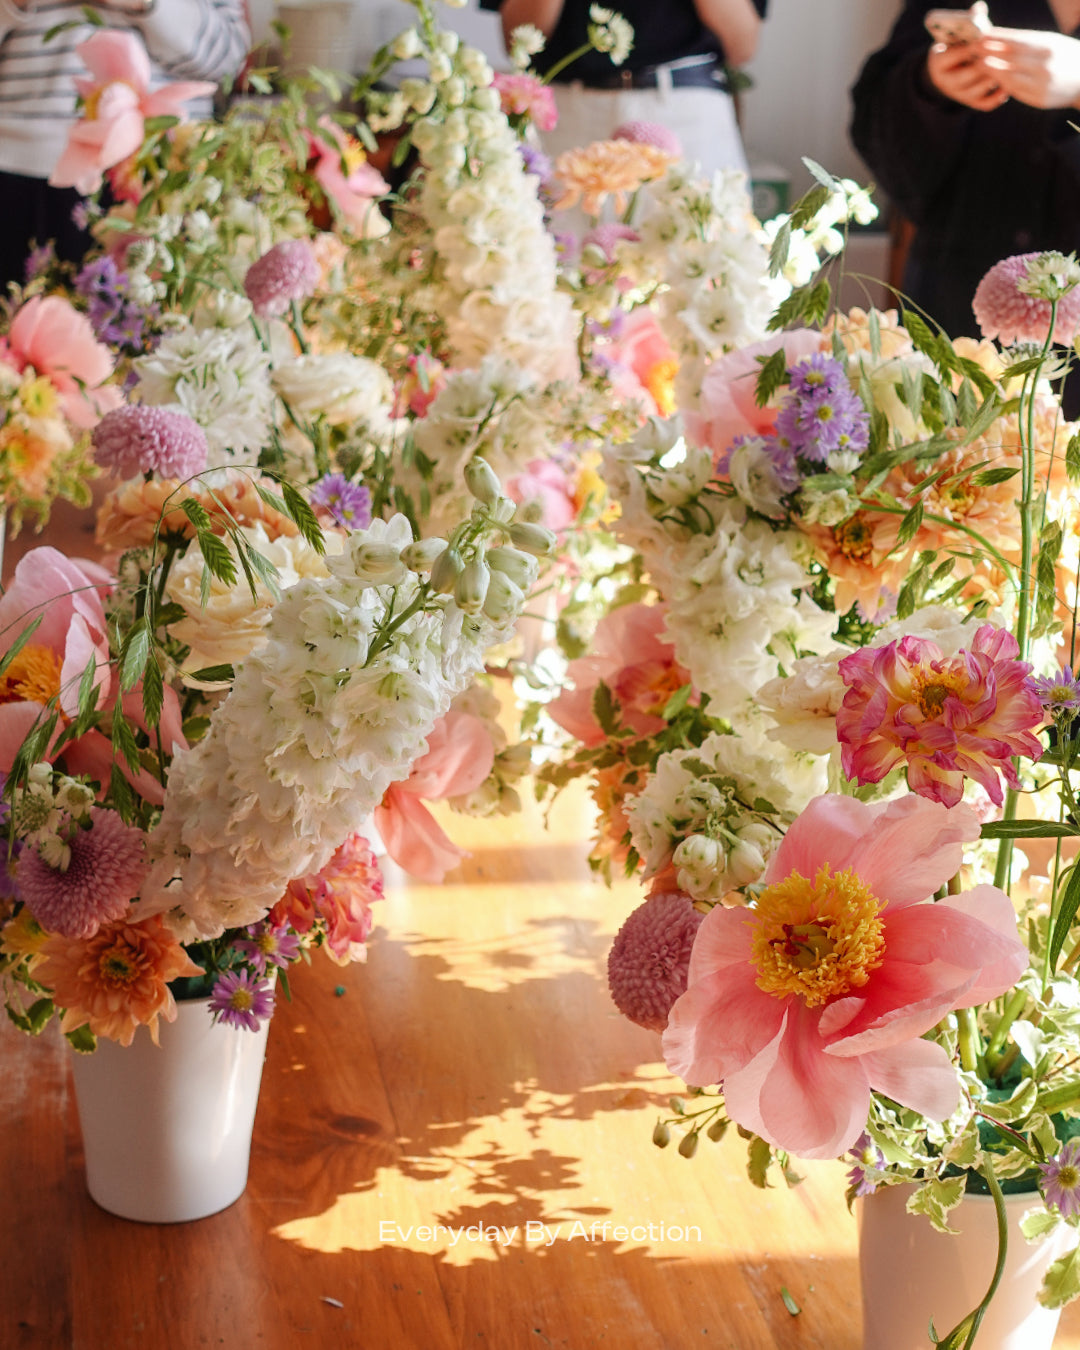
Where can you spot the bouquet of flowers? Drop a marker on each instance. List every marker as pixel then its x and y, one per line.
pixel 841 694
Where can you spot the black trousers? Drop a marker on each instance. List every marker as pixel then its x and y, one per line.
pixel 32 212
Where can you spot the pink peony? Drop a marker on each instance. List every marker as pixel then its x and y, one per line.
pixel 941 717
pixel 630 656
pixel 116 103
pixel 341 169
pixel 286 273
pixel 526 96
pixel 727 406
pixel 459 758
pixel 106 869
pixel 1006 313
pixel 649 961
pixel 650 133
pixel 139 439
pixel 48 334
pixel 819 994
pixel 545 482
pixel 645 364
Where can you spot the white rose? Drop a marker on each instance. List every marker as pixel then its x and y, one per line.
pixel 343 387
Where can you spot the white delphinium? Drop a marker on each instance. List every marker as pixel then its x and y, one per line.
pixel 718 812
pixel 334 707
pixel 496 278
pixel 219 375
pixel 710 254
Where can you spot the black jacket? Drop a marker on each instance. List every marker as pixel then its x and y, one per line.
pixel 977 186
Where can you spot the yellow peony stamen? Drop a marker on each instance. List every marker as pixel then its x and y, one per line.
pixel 32 677
pixel 819 939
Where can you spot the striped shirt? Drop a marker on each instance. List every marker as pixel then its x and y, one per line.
pixel 186 40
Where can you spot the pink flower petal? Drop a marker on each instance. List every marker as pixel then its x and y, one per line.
pixel 413 838
pixel 796 1096
pixel 111 56
pixel 917 1074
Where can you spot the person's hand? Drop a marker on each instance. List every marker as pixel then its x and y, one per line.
pixel 1041 69
pixel 960 73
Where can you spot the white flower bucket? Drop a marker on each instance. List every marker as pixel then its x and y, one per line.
pixel 167 1129
pixel 910 1272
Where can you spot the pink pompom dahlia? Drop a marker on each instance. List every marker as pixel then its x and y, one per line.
pixel 140 439
pixel 106 868
pixel 649 961
pixel 819 994
pixel 943 718
pixel 650 133
pixel 1005 310
pixel 286 273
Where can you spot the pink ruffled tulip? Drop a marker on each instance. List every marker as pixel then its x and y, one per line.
pixel 53 337
pixel 803 1005
pixel 630 656
pixel 117 101
pixel 943 718
pixel 727 390
pixel 459 757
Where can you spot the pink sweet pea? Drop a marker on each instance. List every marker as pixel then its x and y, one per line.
pixel 728 408
pixel 819 994
pixel 459 757
pixel 342 171
pixel 50 335
pixel 631 657
pixel 117 101
pixel 526 96
pixel 943 718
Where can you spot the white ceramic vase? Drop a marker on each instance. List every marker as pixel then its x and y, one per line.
pixel 167 1129
pixel 910 1272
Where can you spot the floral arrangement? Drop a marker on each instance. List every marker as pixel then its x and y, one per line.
pixel 820 727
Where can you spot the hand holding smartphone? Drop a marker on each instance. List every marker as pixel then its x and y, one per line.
pixel 954 27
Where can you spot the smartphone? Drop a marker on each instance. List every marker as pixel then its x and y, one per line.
pixel 956 26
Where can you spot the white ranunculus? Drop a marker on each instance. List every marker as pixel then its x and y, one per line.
pixel 339 386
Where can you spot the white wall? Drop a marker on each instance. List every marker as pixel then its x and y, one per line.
pixel 808 57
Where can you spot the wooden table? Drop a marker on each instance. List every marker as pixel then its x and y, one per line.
pixel 473 1076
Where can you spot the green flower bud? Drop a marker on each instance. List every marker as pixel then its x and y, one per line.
pixel 472 586
pixel 717 1130
pixel 503 598
pixel 661 1136
pixel 421 556
pixel 518 566
pixel 530 538
pixel 482 481
pixel 688 1144
pixel 445 571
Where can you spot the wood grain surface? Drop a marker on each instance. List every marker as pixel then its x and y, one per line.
pixel 472 1076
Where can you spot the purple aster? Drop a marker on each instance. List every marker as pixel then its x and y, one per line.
pixel 536 162
pixel 822 414
pixel 1060 1182
pixel 105 871
pixel 241 999
pixel 349 504
pixel 138 438
pixel 269 945
pixel 868 1157
pixel 1060 692
pixel 114 316
pixel 285 273
pixel 80 215
pixel 781 459
pixel 649 962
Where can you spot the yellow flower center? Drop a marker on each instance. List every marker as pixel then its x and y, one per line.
pixel 39 397
pixel 1068 1177
pixel 241 1000
pixel 853 539
pixel 818 939
pixel 933 687
pixel 33 676
pixel 660 382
